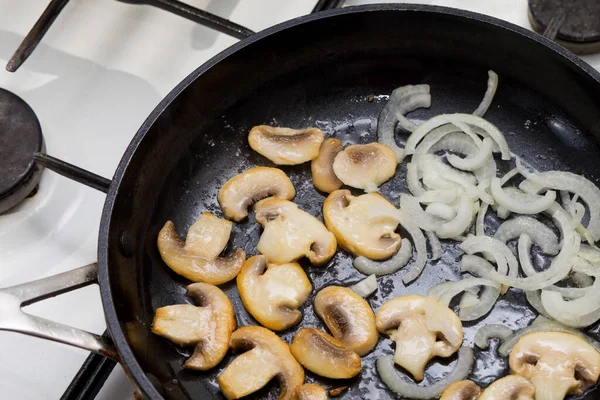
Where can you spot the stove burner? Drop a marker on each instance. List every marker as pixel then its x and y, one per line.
pixel 20 137
pixel 576 24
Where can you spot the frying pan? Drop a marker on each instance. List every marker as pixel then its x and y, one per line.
pixel 330 70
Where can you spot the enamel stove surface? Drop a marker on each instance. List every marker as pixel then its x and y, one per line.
pixel 100 70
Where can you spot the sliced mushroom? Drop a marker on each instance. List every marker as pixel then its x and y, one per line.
pixel 272 293
pixel 324 355
pixel 310 391
pixel 363 225
pixel 511 387
pixel 208 326
pixel 365 166
pixel 422 328
pixel 463 390
pixel 290 233
pixel 209 235
pixel 245 189
pixel 556 363
pixel 265 357
pixel 323 176
pixel 349 318
pixel 285 146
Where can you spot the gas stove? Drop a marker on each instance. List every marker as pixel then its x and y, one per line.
pixel 96 75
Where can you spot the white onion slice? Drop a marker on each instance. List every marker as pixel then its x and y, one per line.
pixel 446 196
pixel 589 253
pixel 582 280
pixel 441 210
pixel 509 175
pixel 419 100
pixel 488 332
pixel 386 123
pixel 420 245
pixel 469 299
pixel 448 290
pixel 464 218
pixel 561 180
pixel 522 207
pixel 504 257
pixel 455 141
pixel 400 384
pixel 534 298
pixel 398 260
pixel 577 313
pixel 479 223
pixel 410 206
pixel 475 162
pixel 432 163
pixel 431 142
pixel 412 179
pixel 492 85
pixel 366 287
pixel 524 251
pixel 540 233
pixel 542 324
pixel 435 245
pixel 425 128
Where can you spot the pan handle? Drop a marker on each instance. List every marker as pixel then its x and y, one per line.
pixel 13 318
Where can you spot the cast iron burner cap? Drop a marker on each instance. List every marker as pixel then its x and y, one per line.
pixel 20 137
pixel 576 23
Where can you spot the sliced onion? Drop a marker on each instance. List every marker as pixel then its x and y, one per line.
pixel 479 223
pixel 418 238
pixel 561 180
pixel 446 196
pixel 524 251
pixel 492 85
pixel 535 300
pixel 582 280
pixel 440 210
pixel 448 290
pixel 542 324
pixel 469 299
pixel 386 124
pixel 487 300
pixel 577 313
pixel 420 100
pixel 400 385
pixel 463 220
pixel 475 162
pixel 431 142
pixel 435 245
pixel 589 254
pixel 399 260
pixel 488 332
pixel 540 233
pixel 522 207
pixel 412 179
pixel 429 163
pixel 366 287
pixel 410 206
pixel 515 193
pixel 504 257
pixel 509 175
pixel 444 119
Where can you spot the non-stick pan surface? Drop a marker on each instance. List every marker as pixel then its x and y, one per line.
pixel 331 70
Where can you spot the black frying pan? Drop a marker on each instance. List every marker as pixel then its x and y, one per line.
pixel 321 70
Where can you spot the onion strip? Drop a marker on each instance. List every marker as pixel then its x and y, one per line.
pixel 434 245
pixel 542 203
pixel 366 287
pixel 420 246
pixel 540 233
pixel 492 86
pixel 488 332
pixel 475 162
pixel 398 260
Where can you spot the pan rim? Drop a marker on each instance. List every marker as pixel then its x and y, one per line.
pixel 131 366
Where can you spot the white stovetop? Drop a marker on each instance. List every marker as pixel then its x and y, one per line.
pixel 92 81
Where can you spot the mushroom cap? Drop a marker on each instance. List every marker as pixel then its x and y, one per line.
pixel 208 326
pixel 349 318
pixel 365 166
pixel 273 293
pixel 422 328
pixel 363 225
pixel 255 184
pixel 196 268
pixel 286 146
pixel 510 387
pixel 556 363
pixel 310 391
pixel 265 357
pixel 323 176
pixel 324 355
pixel 462 390
pixel 291 233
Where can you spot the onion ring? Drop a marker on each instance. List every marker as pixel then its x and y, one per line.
pixel 400 259
pixel 492 85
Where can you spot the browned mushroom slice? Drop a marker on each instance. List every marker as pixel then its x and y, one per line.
pixel 323 175
pixel 349 318
pixel 285 146
pixel 461 390
pixel 310 391
pixel 512 387
pixel 363 225
pixel 365 166
pixel 188 258
pixel 245 189
pixel 324 355
pixel 208 326
pixel 273 293
pixel 290 233
pixel 556 363
pixel 265 357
